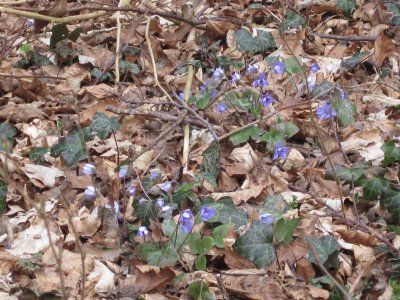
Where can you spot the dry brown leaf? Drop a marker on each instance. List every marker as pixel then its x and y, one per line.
pixel 240 196
pixel 218 29
pixel 7 262
pixel 144 160
pixel 42 176
pixel 150 278
pixel 358 237
pixel 235 261
pixel 20 113
pixel 245 155
pixel 383 48
pixel 318 293
pixel 104 278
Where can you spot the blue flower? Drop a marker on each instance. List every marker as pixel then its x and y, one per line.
pixel 142 232
pixel 326 111
pixel 218 73
pixel 123 171
pixel 131 190
pixel 88 169
pixel 160 202
pixel 280 151
pixel 235 77
pixel 279 68
pixel 252 69
pixel 207 213
pixel 260 81
pixel 214 93
pixel 267 219
pixel 311 83
pixel 155 174
pixel 314 68
pixel 186 221
pixel 90 192
pixel 266 99
pixel 222 107
pixel 205 86
pixel 166 186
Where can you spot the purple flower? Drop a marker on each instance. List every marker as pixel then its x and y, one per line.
pixel 267 219
pixel 280 151
pixel 314 68
pixel 214 93
pixel 88 169
pixel 141 201
pixel 155 174
pixel 131 190
pixel 206 84
pixel 326 111
pixel 342 93
pixel 311 83
pixel 160 203
pixel 116 207
pixel 207 213
pixel 218 73
pixel 186 221
pixel 166 186
pixel 30 22
pixel 266 99
pixel 142 232
pixel 222 107
pixel 235 77
pixel 279 68
pixel 260 81
pixel 252 69
pixel 123 171
pixel 90 192
pixel 181 96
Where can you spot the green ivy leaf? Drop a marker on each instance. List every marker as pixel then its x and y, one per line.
pixel 219 234
pixel 156 256
pixel 228 213
pixel 345 110
pixel 201 246
pixel 373 188
pixel 210 167
pixel 103 126
pixel 293 21
pixel 201 262
pixel 292 66
pixel 74 34
pixel 7 133
pixel 71 148
pixel 346 6
pixel 323 246
pixel 390 199
pixel 246 42
pixel 275 205
pixel 284 230
pixel 244 135
pixel 353 61
pixel 347 174
pixel 198 290
pixel 59 32
pixel 37 154
pixel 392 153
pixel 256 245
pixel 145 211
pixel 322 89
pixel 3 194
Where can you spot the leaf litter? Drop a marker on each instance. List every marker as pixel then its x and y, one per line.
pixel 287 189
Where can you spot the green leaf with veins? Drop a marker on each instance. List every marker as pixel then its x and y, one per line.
pixel 210 167
pixel 323 246
pixel 284 229
pixel 103 126
pixel 228 213
pixel 346 6
pixel 261 43
pixel 7 133
pixel 71 148
pixel 392 153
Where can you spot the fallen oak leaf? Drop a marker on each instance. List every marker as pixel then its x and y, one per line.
pixel 358 237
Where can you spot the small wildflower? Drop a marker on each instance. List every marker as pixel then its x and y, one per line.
pixel 311 83
pixel 131 190
pixel 342 94
pixel 123 171
pixel 205 86
pixel 214 93
pixel 326 111
pixel 218 73
pixel 155 174
pixel 280 151
pixel 267 219
pixel 252 69
pixel 141 201
pixel 160 203
pixel 30 22
pixel 266 99
pixel 222 107
pixel 142 232
pixel 116 207
pixel 207 213
pixel 314 68
pixel 279 68
pixel 235 77
pixel 186 221
pixel 88 169
pixel 260 81
pixel 90 192
pixel 166 186
pixel 181 96
pixel 166 208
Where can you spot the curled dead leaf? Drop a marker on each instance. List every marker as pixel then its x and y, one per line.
pixel 358 237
